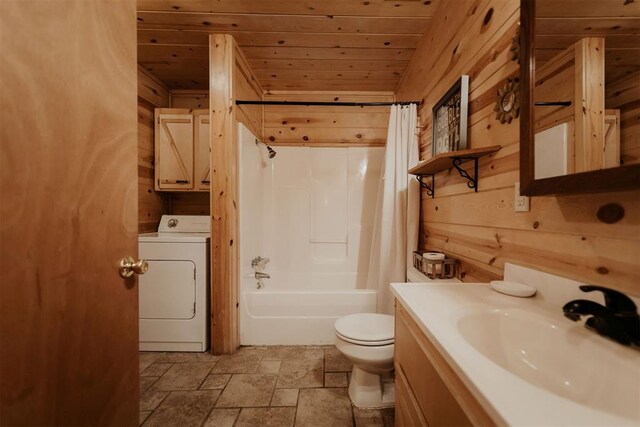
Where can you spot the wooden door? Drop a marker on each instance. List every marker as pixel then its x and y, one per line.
pixel 174 150
pixel 68 210
pixel 202 138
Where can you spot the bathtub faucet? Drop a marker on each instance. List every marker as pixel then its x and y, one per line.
pixel 259 263
pixel 259 275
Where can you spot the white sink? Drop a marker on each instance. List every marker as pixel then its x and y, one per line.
pixel 550 352
pixel 525 362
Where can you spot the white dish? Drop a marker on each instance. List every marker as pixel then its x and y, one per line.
pixel 514 289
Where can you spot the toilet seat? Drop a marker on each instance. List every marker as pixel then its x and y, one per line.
pixel 365 343
pixel 367 329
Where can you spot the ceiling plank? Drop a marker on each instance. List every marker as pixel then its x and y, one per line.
pixel 397 8
pixel 275 39
pixel 589 27
pixel 613 57
pixel 326 75
pixel 308 84
pixel 612 41
pixel 224 23
pixel 326 53
pixel 587 8
pixel 330 64
pixel 147 53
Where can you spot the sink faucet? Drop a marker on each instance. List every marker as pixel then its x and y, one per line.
pixel 618 319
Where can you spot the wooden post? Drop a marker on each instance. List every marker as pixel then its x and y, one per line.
pixel 224 170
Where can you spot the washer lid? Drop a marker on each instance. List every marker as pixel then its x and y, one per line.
pixel 173 238
pixel 368 327
pixel 185 224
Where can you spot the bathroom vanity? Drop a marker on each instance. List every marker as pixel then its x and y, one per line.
pixel 426 384
pixel 467 355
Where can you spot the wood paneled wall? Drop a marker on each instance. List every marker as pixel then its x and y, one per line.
pixel 151 204
pixel 230 79
pixel 561 235
pixel 193 99
pixel 326 126
pixel 624 94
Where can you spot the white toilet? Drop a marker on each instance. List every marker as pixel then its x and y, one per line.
pixel 366 339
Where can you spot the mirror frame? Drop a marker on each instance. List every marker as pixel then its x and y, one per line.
pixel 614 179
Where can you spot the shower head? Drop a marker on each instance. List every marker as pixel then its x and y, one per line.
pixel 272 152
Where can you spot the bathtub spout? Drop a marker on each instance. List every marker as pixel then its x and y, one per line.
pixel 259 275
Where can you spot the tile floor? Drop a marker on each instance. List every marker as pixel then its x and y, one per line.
pixel 257 386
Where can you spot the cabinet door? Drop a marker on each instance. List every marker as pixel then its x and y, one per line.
pixel 202 175
pixel 174 151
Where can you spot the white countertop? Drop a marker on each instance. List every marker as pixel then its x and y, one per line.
pixel 509 399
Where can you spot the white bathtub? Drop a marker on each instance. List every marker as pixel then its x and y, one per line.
pixel 281 317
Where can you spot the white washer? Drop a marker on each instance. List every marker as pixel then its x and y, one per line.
pixel 174 292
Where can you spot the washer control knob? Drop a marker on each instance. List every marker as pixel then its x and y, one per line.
pixel 172 222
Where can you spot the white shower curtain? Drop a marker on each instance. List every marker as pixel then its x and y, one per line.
pixel 395 228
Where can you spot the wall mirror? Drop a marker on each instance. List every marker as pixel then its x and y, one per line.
pixel 580 93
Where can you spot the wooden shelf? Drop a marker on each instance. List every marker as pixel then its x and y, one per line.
pixel 444 161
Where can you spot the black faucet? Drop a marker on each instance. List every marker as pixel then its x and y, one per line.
pixel 618 319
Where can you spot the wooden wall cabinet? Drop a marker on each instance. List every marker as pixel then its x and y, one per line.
pixel 182 161
pixel 428 391
pixel 202 148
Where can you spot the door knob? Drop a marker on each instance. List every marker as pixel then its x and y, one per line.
pixel 128 266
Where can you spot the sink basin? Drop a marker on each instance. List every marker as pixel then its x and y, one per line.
pixel 524 362
pixel 557 355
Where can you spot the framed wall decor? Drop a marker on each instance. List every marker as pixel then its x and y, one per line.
pixel 449 118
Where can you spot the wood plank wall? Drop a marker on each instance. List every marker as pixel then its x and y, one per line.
pixel 561 235
pixel 326 126
pixel 624 94
pixel 151 204
pixel 230 79
pixel 193 99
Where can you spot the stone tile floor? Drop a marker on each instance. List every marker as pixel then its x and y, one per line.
pixel 302 386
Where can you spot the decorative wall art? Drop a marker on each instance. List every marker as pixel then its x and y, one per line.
pixel 449 118
pixel 508 102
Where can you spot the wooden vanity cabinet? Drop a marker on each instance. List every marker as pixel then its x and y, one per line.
pixel 182 154
pixel 428 391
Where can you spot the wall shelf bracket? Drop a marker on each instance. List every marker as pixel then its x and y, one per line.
pixel 452 159
pixel 472 180
pixel 430 189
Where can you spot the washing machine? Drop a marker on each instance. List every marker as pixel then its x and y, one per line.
pixel 174 293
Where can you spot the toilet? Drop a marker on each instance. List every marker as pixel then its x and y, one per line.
pixel 366 339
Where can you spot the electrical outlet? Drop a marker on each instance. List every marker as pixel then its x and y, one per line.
pixel 521 203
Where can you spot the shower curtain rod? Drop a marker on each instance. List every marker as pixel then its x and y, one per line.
pixel 318 103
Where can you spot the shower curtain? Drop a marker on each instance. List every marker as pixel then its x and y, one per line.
pixel 395 228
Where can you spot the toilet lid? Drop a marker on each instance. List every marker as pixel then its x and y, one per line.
pixel 366 327
pixel 366 343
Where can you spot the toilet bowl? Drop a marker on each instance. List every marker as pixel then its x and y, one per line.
pixel 366 339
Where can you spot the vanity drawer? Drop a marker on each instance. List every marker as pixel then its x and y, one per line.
pixel 435 388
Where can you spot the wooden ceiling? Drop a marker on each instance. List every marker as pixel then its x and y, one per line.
pixel 560 23
pixel 290 44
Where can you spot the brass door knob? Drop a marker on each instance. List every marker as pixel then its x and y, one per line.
pixel 128 266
